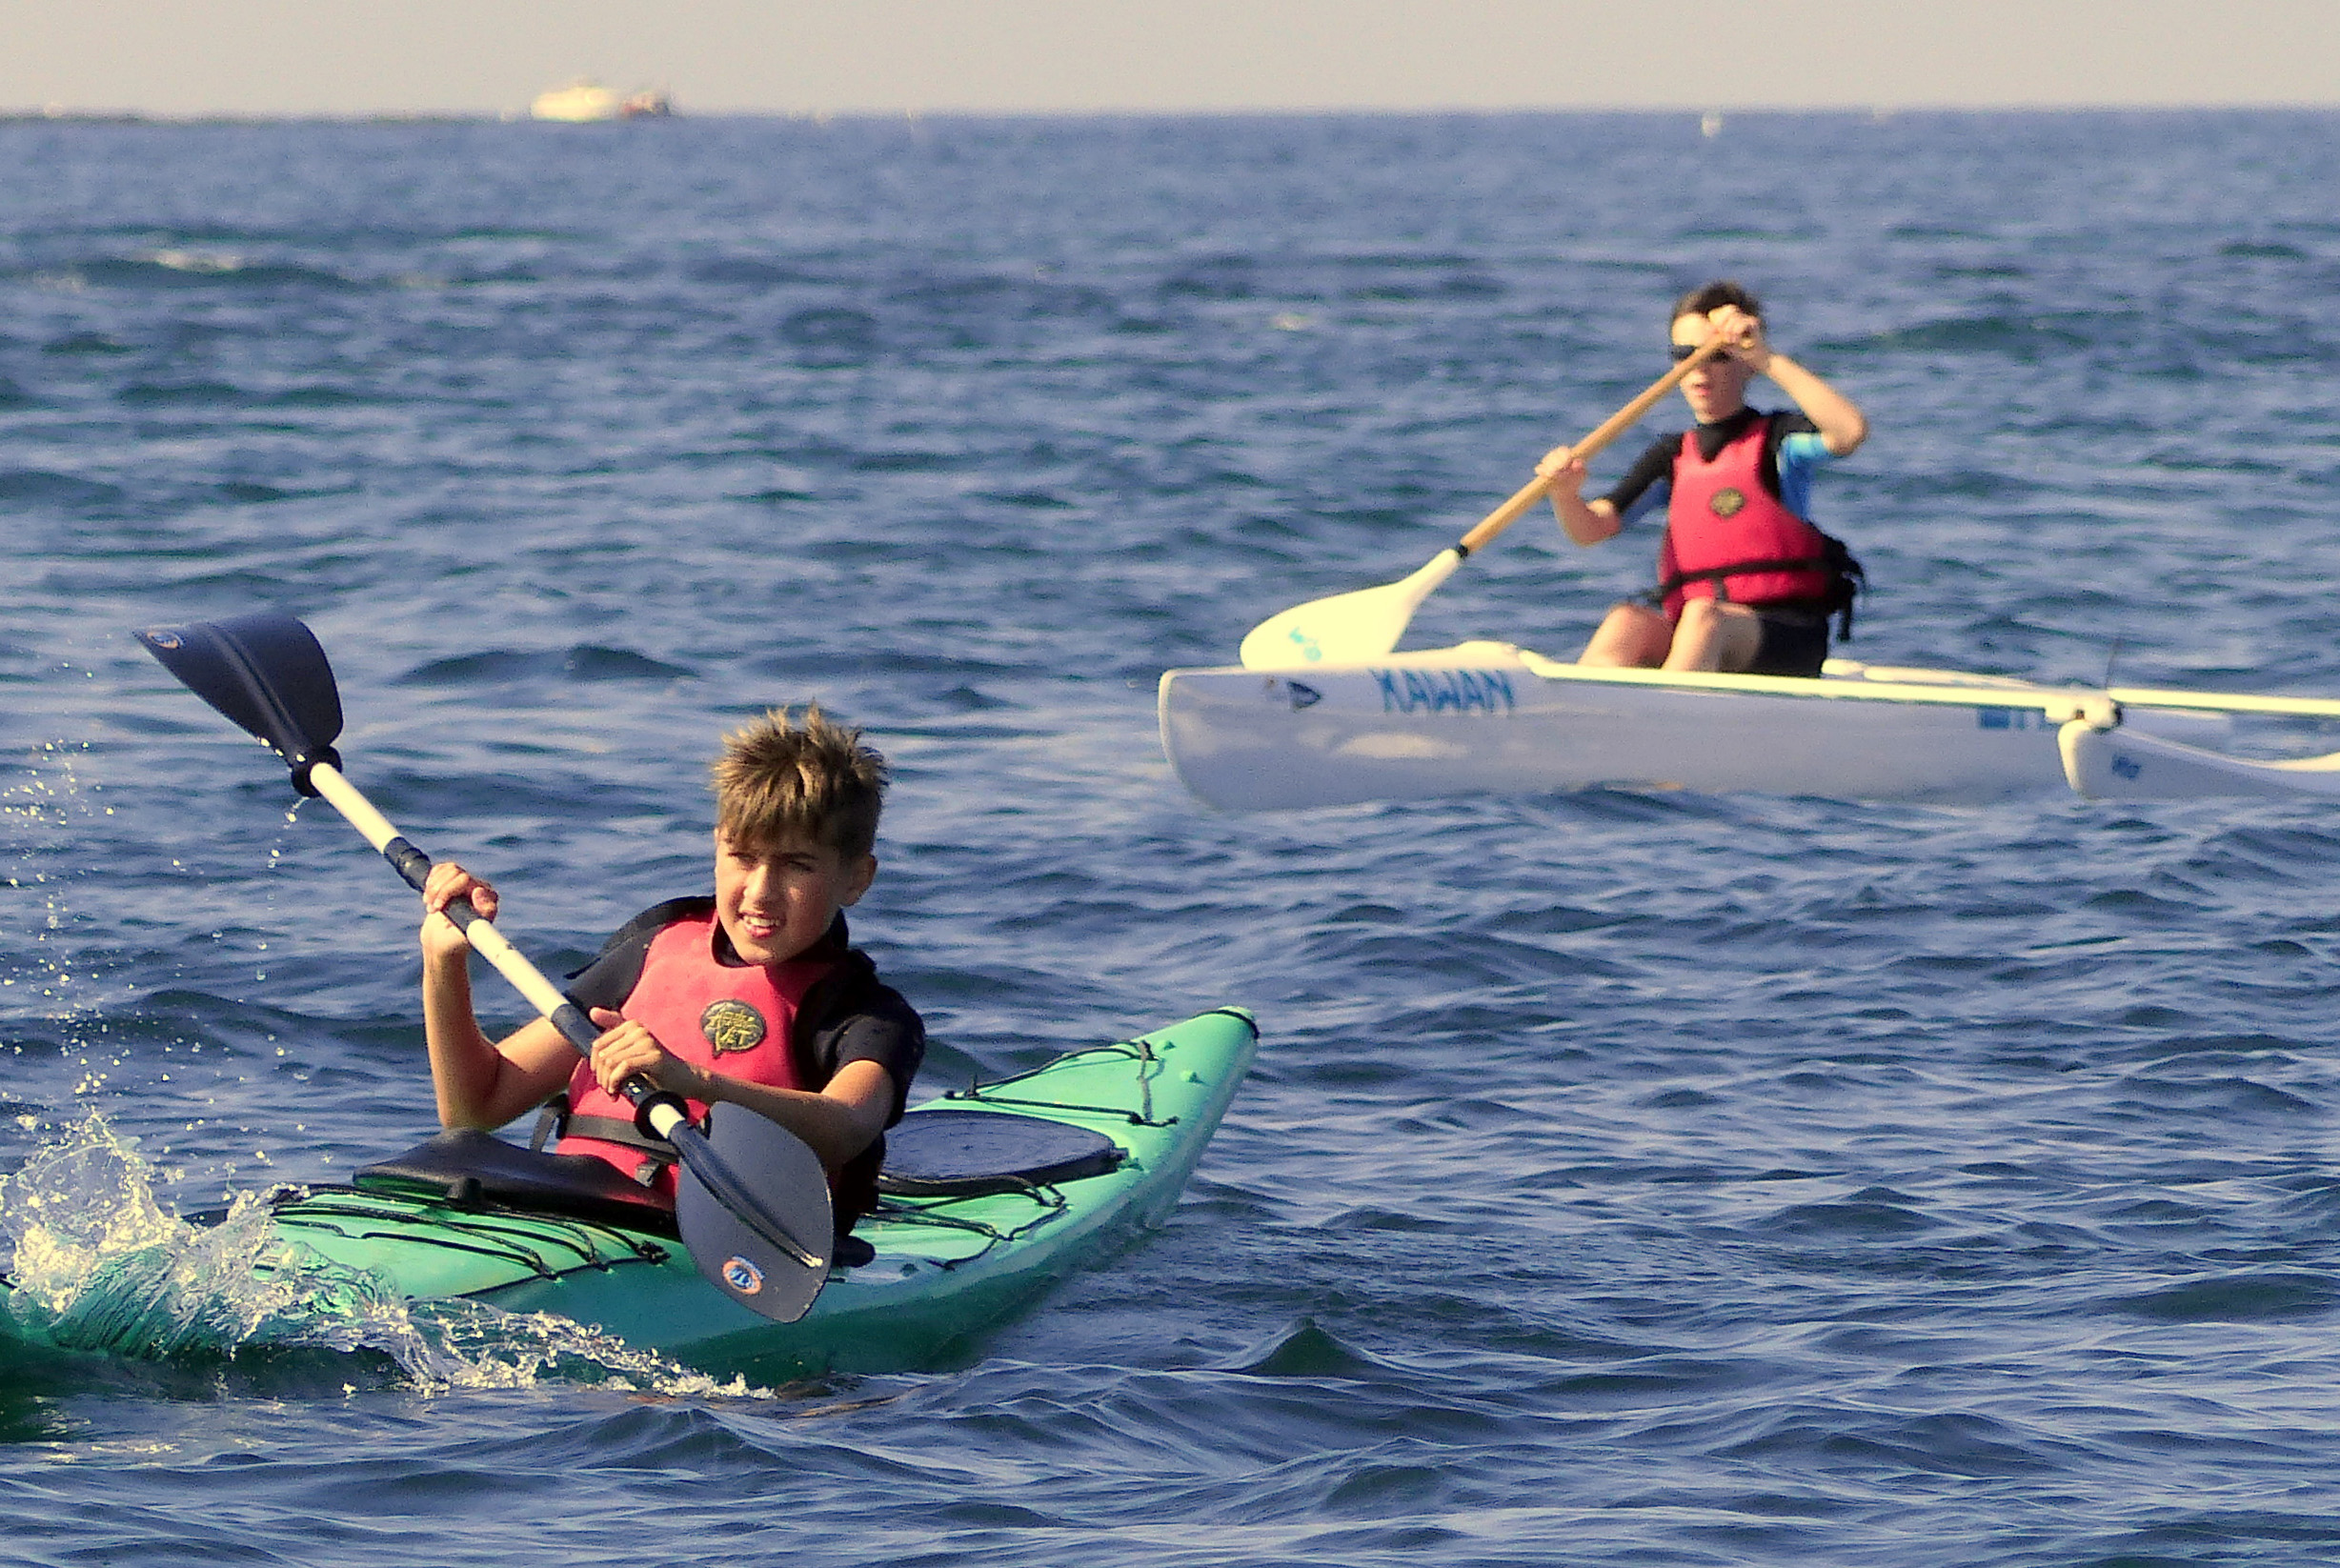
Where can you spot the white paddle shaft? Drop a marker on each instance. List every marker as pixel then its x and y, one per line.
pixel 1366 624
pixel 486 940
pixel 546 998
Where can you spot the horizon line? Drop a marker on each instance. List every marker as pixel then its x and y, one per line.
pixel 60 114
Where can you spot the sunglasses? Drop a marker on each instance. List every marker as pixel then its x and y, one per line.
pixel 1684 351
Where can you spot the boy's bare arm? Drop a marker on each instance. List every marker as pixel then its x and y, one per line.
pixel 1586 522
pixel 479 1082
pixel 1842 425
pixel 837 1123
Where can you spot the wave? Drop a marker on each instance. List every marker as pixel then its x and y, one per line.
pixel 175 268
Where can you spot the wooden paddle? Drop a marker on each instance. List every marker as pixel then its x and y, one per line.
pixel 1356 627
pixel 752 1202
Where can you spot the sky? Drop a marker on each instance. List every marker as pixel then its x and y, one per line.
pixel 364 57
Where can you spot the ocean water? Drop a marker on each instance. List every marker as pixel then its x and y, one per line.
pixel 1625 1177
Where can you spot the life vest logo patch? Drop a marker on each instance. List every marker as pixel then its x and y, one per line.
pixel 732 1025
pixel 1728 501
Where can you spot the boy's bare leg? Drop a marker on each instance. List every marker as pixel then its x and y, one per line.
pixel 1632 636
pixel 1714 636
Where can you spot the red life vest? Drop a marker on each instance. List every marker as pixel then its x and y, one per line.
pixel 1728 537
pixel 733 1019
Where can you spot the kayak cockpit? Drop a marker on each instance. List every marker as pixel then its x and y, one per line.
pixel 472 1169
pixel 942 1152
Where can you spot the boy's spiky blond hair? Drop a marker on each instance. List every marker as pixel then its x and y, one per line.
pixel 780 778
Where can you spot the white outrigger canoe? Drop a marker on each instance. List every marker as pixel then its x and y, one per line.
pixel 1489 717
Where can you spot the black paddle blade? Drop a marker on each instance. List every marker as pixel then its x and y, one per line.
pixel 749 1167
pixel 266 672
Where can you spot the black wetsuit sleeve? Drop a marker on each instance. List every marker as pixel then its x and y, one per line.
pixel 610 978
pixel 872 1023
pixel 855 1017
pixel 888 1034
pixel 1655 466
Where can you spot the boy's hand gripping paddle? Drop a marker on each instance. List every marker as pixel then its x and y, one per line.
pixel 753 1201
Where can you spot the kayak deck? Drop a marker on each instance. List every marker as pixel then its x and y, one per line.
pixel 944 1268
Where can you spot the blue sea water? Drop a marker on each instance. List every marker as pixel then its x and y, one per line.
pixel 1625 1177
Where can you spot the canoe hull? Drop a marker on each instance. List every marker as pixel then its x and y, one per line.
pixel 1484 718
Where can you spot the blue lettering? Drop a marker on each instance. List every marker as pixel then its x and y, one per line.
pixel 1489 685
pixel 2011 718
pixel 1445 691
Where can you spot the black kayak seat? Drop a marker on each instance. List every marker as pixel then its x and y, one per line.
pixel 941 1153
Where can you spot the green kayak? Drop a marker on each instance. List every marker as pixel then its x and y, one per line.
pixel 951 1252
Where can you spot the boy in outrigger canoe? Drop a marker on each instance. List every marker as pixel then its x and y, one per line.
pixel 1746 582
pixel 753 995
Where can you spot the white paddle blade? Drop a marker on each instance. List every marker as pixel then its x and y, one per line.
pixel 1346 628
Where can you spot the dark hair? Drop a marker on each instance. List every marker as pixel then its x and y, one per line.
pixel 1713 296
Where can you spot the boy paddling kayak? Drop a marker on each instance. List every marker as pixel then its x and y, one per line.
pixel 1747 583
pixel 754 996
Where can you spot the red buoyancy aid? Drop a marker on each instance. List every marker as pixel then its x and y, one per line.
pixel 1728 537
pixel 729 1018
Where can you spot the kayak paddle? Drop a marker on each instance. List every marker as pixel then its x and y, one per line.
pixel 752 1202
pixel 1355 627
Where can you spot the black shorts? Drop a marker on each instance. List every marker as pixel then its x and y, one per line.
pixel 1795 641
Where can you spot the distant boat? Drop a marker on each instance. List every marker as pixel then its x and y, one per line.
pixel 581 100
pixel 585 101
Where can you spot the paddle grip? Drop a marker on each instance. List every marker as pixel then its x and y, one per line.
pixel 414 866
pixel 579 1030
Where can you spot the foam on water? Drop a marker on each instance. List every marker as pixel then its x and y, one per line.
pixel 100 1267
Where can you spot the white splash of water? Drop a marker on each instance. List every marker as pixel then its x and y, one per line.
pixel 98 1266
